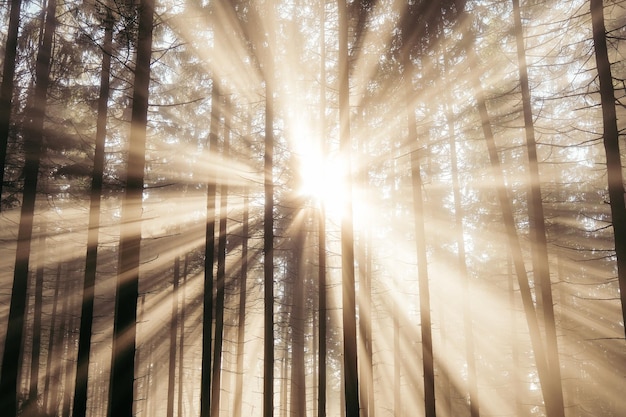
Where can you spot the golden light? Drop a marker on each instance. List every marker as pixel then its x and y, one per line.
pixel 324 181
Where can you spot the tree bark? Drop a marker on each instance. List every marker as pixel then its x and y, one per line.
pixel 511 235
pixel 171 375
pixel 241 325
pixel 539 245
pixel 181 343
pixel 422 266
pixel 268 239
pixel 33 149
pixel 127 286
pixel 8 83
pixel 91 259
pixel 209 260
pixel 298 386
pixel 321 232
pixel 221 276
pixel 51 336
pixel 32 405
pixel 611 147
pixel 347 228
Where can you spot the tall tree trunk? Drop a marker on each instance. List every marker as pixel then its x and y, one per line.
pixel 127 286
pixel 181 345
pixel 209 260
pixel 611 146
pixel 397 364
pixel 32 405
pixel 468 326
pixel 241 324
pixel 8 82
pixel 51 336
pixel 347 227
pixel 268 238
pixel 69 348
pixel 171 375
pixel 511 236
pixel 539 245
pixel 33 149
pixel 221 276
pixel 61 349
pixel 422 266
pixel 91 259
pixel 298 386
pixel 321 232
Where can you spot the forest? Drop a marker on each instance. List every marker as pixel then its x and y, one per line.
pixel 292 208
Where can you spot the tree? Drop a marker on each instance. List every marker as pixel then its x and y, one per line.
pixel 127 285
pixel 539 245
pixel 611 146
pixel 347 231
pixel 8 82
pixel 268 232
pixel 91 259
pixel 33 147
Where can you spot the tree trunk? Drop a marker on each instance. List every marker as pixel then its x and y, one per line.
pixel 241 324
pixel 221 276
pixel 171 375
pixel 422 261
pixel 511 236
pixel 209 260
pixel 32 405
pixel 268 239
pixel 51 336
pixel 468 326
pixel 424 290
pixel 181 345
pixel 611 146
pixel 347 228
pixel 321 232
pixel 7 87
pixel 91 259
pixel 298 386
pixel 69 347
pixel 127 286
pixel 539 245
pixel 33 149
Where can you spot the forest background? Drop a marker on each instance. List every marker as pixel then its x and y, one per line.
pixel 289 207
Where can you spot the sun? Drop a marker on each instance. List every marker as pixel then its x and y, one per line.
pixel 324 180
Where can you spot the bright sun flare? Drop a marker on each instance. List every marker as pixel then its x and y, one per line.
pixel 323 180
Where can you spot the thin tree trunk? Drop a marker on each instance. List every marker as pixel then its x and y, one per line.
pixel 241 325
pixel 127 286
pixel 511 235
pixel 69 361
pixel 33 393
pixel 321 232
pixel 86 316
pixel 397 364
pixel 181 345
pixel 60 350
pixel 221 276
pixel 298 386
pixel 33 149
pixel 209 260
pixel 347 227
pixel 8 83
pixel 171 375
pixel 472 384
pixel 539 245
pixel 51 336
pixel 268 240
pixel 422 261
pixel 611 146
